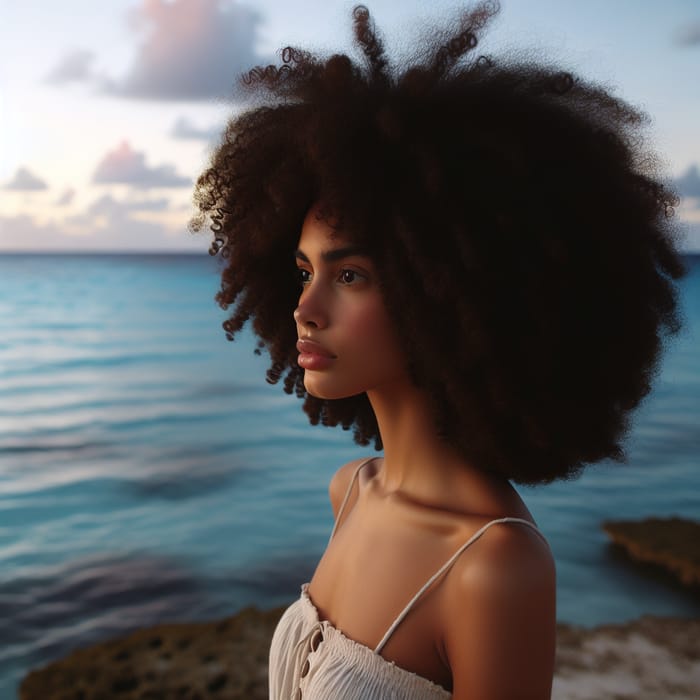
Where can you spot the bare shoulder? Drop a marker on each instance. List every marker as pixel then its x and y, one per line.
pixel 500 612
pixel 508 557
pixel 340 482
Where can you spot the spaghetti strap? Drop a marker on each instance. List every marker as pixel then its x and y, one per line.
pixel 347 495
pixel 444 568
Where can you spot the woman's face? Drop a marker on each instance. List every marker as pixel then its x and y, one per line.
pixel 347 342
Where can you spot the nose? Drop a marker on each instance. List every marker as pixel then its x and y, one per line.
pixel 310 311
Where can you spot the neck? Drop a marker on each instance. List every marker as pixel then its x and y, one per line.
pixel 418 464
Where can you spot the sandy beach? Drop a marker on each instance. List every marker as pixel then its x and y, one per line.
pixel 652 658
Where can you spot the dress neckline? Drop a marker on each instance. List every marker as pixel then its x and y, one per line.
pixel 365 650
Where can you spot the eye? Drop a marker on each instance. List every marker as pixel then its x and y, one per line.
pixel 348 276
pixel 304 276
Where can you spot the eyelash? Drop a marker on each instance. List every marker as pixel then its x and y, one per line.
pixel 304 279
pixel 343 272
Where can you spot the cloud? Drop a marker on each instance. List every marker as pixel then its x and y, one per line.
pixel 107 224
pixel 184 129
pixel 191 49
pixel 25 180
pixel 126 166
pixel 66 198
pixel 73 67
pixel 23 233
pixel 688 184
pixel 689 35
pixel 112 208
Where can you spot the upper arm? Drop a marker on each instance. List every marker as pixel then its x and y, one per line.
pixel 339 484
pixel 500 621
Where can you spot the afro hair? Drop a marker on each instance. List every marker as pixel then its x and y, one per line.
pixel 523 235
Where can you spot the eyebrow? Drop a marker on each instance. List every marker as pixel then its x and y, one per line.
pixel 334 254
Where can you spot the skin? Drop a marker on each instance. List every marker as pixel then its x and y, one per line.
pixel 486 629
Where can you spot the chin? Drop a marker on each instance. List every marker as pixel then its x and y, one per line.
pixel 321 394
pixel 327 390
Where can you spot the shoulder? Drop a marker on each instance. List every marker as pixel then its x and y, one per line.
pixel 507 557
pixel 499 612
pixel 340 482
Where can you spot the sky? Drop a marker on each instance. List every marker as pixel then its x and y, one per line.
pixel 109 110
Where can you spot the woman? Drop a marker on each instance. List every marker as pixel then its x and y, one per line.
pixel 485 270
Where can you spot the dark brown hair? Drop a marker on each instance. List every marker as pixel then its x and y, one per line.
pixel 520 227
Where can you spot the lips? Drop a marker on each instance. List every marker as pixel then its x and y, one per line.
pixel 313 356
pixel 311 347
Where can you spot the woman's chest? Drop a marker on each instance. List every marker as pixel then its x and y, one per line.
pixel 370 572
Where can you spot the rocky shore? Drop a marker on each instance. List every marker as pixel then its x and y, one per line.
pixel 223 659
pixel 647 659
pixel 670 543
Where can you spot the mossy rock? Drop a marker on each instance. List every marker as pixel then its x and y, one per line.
pixel 223 660
pixel 672 543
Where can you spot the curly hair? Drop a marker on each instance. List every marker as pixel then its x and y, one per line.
pixel 522 233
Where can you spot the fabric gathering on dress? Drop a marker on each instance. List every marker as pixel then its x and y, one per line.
pixel 312 659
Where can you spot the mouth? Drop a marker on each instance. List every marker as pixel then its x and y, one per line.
pixel 311 347
pixel 313 356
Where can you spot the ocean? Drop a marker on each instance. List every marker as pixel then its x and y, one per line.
pixel 148 473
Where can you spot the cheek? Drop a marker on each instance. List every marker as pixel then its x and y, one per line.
pixel 370 356
pixel 373 331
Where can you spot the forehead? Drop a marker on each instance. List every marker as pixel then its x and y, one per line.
pixel 318 231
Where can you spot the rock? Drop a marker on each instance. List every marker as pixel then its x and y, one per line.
pixel 645 659
pixel 223 660
pixel 673 543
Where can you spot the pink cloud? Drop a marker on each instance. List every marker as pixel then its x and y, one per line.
pixel 191 50
pixel 126 166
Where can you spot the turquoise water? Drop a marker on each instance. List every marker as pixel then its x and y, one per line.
pixel 148 472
